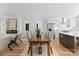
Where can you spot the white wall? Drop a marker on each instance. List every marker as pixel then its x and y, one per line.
pixel 39 9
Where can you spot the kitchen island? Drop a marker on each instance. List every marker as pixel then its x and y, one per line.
pixel 69 40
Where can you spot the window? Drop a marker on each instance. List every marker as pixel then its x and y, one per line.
pixel 11 25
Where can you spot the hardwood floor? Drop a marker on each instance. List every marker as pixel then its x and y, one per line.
pixel 22 49
pixel 17 50
pixel 63 51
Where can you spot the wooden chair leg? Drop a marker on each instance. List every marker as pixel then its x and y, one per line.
pixel 28 50
pixel 51 50
pixel 16 44
pixel 21 41
pixel 10 48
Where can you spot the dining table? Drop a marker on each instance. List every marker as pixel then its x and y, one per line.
pixel 41 40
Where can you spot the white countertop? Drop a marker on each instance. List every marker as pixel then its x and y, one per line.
pixel 71 33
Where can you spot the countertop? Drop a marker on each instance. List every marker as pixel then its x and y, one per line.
pixel 71 33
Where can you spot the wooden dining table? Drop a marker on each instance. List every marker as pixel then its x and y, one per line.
pixel 42 40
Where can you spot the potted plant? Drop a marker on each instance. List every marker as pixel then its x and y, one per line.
pixel 38 33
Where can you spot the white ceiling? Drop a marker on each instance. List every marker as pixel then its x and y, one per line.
pixel 38 9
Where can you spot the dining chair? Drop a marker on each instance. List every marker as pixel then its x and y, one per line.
pixel 29 35
pixel 50 38
pixel 13 41
pixel 19 37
